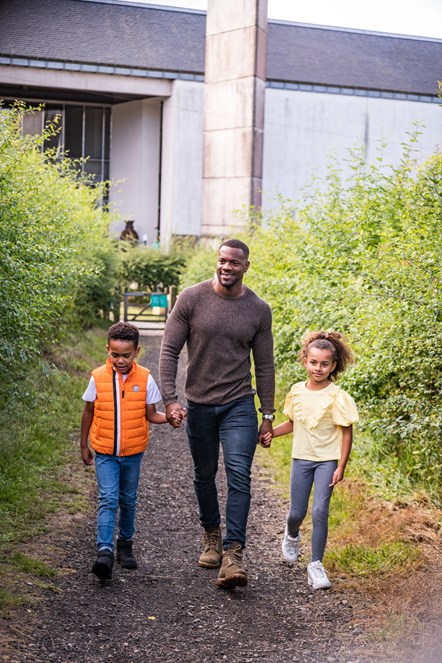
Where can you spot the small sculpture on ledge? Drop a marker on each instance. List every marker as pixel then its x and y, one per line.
pixel 129 234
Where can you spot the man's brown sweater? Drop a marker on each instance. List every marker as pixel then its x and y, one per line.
pixel 220 333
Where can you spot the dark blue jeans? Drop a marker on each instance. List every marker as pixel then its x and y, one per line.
pixel 235 426
pixel 117 478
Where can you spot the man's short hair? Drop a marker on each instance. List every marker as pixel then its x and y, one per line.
pixel 124 331
pixel 237 244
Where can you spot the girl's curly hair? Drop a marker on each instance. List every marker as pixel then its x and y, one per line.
pixel 328 340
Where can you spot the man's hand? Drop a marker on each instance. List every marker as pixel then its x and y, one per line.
pixel 175 414
pixel 265 433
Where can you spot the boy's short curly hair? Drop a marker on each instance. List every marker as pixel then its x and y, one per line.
pixel 124 331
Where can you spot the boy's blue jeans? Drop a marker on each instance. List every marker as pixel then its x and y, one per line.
pixel 235 425
pixel 117 478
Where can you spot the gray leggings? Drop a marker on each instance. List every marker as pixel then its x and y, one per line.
pixel 304 474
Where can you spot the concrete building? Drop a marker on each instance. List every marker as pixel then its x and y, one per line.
pixel 128 81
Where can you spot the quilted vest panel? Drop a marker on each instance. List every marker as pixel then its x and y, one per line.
pixel 129 398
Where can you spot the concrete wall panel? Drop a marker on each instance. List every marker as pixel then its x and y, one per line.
pixel 135 157
pixel 83 81
pixel 182 159
pixel 303 129
pixel 234 86
pixel 234 14
pixel 226 110
pixel 230 55
pixel 224 205
pixel 228 153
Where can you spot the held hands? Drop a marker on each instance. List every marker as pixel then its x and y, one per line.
pixel 265 434
pixel 175 414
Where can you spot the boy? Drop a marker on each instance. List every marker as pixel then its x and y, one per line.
pixel 120 401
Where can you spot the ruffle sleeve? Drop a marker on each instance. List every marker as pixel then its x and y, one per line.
pixel 345 412
pixel 288 403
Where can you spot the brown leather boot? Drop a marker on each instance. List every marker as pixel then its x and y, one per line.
pixel 232 573
pixel 210 558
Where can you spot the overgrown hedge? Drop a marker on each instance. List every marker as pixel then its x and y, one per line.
pixel 55 251
pixel 362 255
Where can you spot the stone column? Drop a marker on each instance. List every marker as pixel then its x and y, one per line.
pixel 235 71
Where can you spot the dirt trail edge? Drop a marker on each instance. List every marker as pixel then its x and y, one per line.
pixel 169 609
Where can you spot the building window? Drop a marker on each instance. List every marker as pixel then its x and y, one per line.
pixel 84 133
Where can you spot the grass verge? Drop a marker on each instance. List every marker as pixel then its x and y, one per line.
pixel 38 446
pixel 384 549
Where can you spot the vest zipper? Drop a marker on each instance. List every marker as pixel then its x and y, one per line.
pixel 114 383
pixel 123 431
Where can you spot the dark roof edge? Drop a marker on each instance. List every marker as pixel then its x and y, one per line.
pixel 359 31
pixel 96 68
pixel 142 5
pixel 426 97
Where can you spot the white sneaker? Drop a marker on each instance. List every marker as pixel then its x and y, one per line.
pixel 317 577
pixel 290 547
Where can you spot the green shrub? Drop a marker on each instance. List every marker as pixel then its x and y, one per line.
pixel 200 265
pixel 55 253
pixel 149 269
pixel 362 255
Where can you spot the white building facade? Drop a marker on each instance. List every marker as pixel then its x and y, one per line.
pixel 131 98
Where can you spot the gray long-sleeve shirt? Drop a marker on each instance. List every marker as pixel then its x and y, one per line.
pixel 220 333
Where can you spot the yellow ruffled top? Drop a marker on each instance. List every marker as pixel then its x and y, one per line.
pixel 317 419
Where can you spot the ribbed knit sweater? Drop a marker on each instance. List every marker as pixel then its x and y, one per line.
pixel 221 333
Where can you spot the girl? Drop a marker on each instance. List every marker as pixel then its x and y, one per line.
pixel 320 415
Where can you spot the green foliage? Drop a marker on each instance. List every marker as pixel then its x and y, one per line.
pixel 35 443
pixel 363 560
pixel 56 258
pixel 149 269
pixel 200 266
pixel 29 564
pixel 100 292
pixel 39 452
pixel 362 256
pixel 10 600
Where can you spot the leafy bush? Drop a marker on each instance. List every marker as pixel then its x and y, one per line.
pixel 149 269
pixel 363 257
pixel 200 265
pixel 55 252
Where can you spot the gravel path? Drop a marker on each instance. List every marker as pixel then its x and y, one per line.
pixel 169 609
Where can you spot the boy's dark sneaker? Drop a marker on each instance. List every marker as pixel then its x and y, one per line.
pixel 125 555
pixel 103 564
pixel 210 558
pixel 232 573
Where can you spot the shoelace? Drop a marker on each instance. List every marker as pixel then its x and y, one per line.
pixel 234 555
pixel 212 539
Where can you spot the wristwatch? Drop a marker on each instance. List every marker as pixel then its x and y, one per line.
pixel 270 417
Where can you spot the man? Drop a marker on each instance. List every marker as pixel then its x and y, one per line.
pixel 222 322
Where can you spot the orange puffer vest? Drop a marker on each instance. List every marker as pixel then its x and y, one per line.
pixel 125 401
